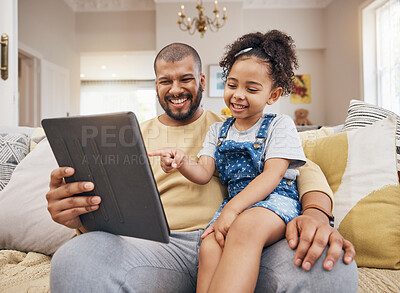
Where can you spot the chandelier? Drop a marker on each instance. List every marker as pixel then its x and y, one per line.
pixel 201 22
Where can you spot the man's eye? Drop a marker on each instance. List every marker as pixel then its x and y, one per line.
pixel 164 82
pixel 187 79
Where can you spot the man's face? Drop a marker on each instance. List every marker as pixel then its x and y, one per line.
pixel 179 87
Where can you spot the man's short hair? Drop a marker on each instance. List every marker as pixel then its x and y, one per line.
pixel 176 52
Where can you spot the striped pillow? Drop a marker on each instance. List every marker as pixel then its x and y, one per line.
pixel 13 148
pixel 361 114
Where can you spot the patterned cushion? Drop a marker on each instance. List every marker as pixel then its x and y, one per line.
pixel 360 166
pixel 361 114
pixel 13 148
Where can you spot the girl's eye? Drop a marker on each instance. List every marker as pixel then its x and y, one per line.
pixel 252 90
pixel 230 85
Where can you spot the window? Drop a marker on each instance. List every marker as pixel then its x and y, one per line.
pixel 108 96
pixel 381 54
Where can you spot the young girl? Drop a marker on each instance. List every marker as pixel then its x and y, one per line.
pixel 255 156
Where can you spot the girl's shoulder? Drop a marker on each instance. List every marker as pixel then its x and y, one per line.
pixel 283 121
pixel 216 127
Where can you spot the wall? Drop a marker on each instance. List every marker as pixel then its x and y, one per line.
pixel 342 59
pixel 48 26
pixel 115 31
pixel 308 32
pixel 307 28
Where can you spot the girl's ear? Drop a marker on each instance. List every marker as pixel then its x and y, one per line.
pixel 274 95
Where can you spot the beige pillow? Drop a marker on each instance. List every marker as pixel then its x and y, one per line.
pixel 360 166
pixel 26 225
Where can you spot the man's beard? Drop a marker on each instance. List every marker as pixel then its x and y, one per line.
pixel 193 108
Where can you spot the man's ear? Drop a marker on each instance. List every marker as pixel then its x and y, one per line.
pixel 203 81
pixel 274 95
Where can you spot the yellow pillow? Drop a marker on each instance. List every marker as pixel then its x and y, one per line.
pixel 360 167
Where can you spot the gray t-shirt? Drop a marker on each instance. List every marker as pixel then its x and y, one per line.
pixel 282 141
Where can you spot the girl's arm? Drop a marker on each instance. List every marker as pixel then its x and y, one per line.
pixel 200 172
pixel 261 186
pixel 258 189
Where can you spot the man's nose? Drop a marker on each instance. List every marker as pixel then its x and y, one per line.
pixel 176 88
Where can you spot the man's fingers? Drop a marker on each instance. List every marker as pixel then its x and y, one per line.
pixel 317 247
pixel 334 250
pixel 306 239
pixel 57 176
pixel 292 235
pixel 74 188
pixel 349 251
pixel 76 202
pixel 70 217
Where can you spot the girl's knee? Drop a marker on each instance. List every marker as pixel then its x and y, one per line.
pixel 209 246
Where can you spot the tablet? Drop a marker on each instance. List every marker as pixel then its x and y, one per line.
pixel 108 150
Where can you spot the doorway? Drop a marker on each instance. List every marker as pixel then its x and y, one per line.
pixel 29 90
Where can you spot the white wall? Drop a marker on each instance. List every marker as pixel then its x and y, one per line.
pixel 308 32
pixel 307 28
pixel 115 31
pixel 342 59
pixel 48 26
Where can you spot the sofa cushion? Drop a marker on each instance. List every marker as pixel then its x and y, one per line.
pixel 360 167
pixel 26 225
pixel 13 148
pixel 361 114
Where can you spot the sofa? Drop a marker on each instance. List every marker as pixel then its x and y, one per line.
pixel 359 159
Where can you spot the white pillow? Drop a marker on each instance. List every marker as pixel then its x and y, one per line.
pixel 25 223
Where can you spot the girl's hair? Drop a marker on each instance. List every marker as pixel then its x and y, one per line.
pixel 276 48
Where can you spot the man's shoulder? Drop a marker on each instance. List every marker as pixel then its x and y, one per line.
pixel 212 117
pixel 148 123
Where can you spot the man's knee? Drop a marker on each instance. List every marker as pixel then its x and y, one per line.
pixel 279 274
pixel 79 255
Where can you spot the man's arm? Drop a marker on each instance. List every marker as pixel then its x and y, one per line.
pixel 311 232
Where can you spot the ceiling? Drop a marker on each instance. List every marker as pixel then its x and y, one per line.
pixel 132 5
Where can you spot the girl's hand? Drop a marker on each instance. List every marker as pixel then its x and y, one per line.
pixel 170 159
pixel 222 224
pixel 207 231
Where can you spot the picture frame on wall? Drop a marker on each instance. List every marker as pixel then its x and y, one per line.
pixel 215 83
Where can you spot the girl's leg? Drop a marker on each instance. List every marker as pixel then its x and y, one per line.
pixel 238 268
pixel 209 256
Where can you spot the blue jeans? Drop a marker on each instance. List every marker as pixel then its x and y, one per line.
pixel 102 262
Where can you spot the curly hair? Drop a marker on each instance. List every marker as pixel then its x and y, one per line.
pixel 276 48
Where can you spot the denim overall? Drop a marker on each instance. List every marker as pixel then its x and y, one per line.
pixel 238 163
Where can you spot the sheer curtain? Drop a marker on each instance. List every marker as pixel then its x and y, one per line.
pixel 388 55
pixel 105 96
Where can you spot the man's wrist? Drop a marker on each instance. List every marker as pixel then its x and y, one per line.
pixel 319 212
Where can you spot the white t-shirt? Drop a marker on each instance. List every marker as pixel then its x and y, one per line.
pixel 282 141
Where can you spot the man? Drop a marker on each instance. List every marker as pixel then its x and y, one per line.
pixel 101 262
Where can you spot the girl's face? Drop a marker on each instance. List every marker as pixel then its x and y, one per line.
pixel 249 88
